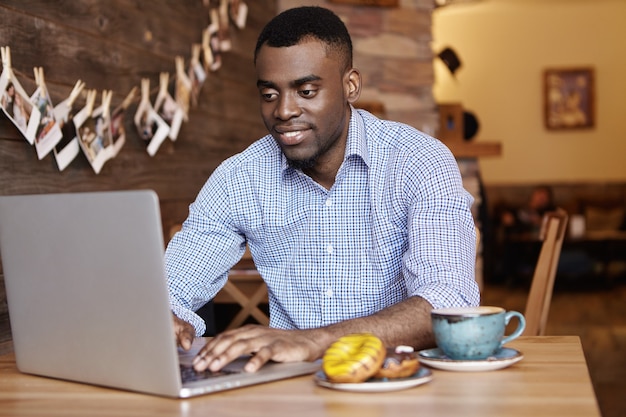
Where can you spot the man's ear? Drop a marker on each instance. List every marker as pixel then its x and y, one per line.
pixel 352 85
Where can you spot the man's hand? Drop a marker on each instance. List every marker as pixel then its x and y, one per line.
pixel 265 343
pixel 184 333
pixel 405 323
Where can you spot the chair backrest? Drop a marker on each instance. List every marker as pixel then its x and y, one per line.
pixel 478 273
pixel 477 239
pixel 540 295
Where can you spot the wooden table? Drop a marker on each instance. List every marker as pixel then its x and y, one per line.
pixel 552 380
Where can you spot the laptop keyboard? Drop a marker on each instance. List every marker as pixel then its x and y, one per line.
pixel 189 374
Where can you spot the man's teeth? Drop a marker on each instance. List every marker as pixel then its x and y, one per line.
pixel 291 134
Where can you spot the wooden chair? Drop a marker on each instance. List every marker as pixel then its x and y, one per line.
pixel 540 295
pixel 246 287
pixel 478 272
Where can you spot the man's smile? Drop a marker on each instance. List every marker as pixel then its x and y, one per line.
pixel 291 137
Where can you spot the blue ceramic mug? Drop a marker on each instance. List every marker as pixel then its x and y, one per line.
pixel 473 333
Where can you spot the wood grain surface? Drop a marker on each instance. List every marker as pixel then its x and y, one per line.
pixel 112 45
pixel 552 380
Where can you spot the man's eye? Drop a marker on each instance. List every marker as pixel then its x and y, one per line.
pixel 268 96
pixel 307 93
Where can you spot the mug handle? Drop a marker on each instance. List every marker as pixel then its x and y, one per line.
pixel 521 325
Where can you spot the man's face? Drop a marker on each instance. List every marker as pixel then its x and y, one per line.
pixel 304 101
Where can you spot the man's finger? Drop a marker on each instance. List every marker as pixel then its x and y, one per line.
pixel 258 359
pixel 184 333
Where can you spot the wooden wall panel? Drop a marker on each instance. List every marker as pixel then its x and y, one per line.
pixel 112 45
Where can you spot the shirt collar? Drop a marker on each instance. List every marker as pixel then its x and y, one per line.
pixel 357 139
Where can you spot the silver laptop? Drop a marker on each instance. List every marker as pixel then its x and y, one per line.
pixel 88 300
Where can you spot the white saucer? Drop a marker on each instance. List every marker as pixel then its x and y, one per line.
pixel 435 358
pixel 422 376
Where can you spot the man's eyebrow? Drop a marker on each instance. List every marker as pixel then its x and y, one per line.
pixel 307 79
pixel 265 84
pixel 296 83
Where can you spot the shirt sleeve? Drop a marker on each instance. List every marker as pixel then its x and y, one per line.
pixel 440 261
pixel 199 256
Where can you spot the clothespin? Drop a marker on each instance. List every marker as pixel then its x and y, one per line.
pixel 215 21
pixel 63 109
pixel 144 103
pixel 39 79
pixel 239 13
pixel 223 10
pixel 224 4
pixel 196 48
pixel 7 72
pixel 182 97
pixel 225 44
pixel 106 103
pixel 6 58
pixel 129 98
pixel 145 90
pixel 180 68
pixel 164 79
pixel 78 87
pixel 89 102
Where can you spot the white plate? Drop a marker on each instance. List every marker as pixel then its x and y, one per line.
pixel 422 376
pixel 435 358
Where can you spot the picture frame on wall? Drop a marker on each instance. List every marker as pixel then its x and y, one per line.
pixel 569 98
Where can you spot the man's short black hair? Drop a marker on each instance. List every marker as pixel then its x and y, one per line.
pixel 293 26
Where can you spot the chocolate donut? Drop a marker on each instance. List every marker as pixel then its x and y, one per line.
pixel 400 362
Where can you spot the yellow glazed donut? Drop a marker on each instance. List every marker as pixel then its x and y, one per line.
pixel 353 358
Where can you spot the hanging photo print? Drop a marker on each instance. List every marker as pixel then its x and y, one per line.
pixel 118 131
pixel 167 107
pixel 67 148
pixel 15 102
pixel 196 74
pixel 48 132
pixel 93 134
pixel 86 129
pixel 151 127
pixel 100 146
pixel 211 44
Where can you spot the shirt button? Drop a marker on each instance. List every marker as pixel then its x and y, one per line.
pixel 328 202
pixel 329 249
pixel 329 293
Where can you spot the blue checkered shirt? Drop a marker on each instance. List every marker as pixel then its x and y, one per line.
pixel 395 224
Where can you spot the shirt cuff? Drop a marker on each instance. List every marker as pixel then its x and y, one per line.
pixel 190 317
pixel 444 297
